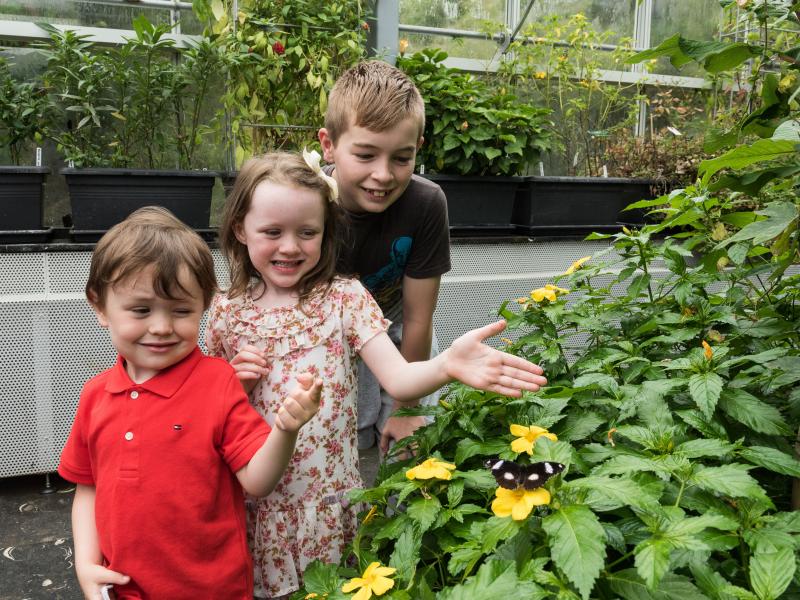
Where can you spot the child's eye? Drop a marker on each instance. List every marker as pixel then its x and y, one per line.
pixel 272 232
pixel 364 156
pixel 140 310
pixel 403 160
pixel 308 233
pixel 183 311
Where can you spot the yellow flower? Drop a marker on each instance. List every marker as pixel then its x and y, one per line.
pixel 576 265
pixel 433 468
pixel 556 289
pixel 707 351
pixel 527 436
pixel 540 74
pixel 314 595
pixel 548 292
pixel 370 515
pixel 518 503
pixel 374 580
pixel 403 45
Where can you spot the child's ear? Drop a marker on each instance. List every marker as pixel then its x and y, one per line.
pixel 239 233
pixel 94 302
pixel 327 145
pixel 420 142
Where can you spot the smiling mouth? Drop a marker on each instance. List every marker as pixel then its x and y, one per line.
pixel 287 264
pixel 377 193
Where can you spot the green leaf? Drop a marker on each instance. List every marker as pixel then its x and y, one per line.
pixel 729 480
pixel 495 579
pixel 628 585
pixel 772 572
pixel 468 448
pixel 779 216
pixel 704 447
pixel 709 581
pixel 424 511
pixel 579 425
pixel 406 554
pixel 743 156
pixel 772 459
pixel 321 578
pixel 652 560
pixel 757 415
pixel 496 529
pixel 705 389
pixel 577 544
pixel 608 493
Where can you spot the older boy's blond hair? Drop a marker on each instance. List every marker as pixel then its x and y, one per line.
pixel 374 95
pixel 151 237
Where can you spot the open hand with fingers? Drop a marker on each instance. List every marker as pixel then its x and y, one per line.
pixel 301 404
pixel 471 361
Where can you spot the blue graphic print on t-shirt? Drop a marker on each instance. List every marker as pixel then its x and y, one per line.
pixel 393 272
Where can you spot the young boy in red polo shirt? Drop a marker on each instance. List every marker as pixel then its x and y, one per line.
pixel 165 440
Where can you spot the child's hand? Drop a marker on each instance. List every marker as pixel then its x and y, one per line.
pixel 93 577
pixel 250 366
pixel 301 405
pixel 482 367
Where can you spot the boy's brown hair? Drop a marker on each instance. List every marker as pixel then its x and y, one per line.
pixel 287 169
pixel 373 95
pixel 151 237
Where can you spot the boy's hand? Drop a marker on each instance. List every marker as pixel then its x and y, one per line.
pixel 93 577
pixel 301 405
pixel 476 364
pixel 250 366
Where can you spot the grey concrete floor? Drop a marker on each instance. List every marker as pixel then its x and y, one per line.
pixel 36 539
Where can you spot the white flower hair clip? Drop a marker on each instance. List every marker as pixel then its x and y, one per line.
pixel 312 160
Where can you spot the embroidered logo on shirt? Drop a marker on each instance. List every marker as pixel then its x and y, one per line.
pixel 177 427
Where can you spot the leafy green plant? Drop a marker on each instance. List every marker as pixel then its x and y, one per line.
pixel 142 104
pixel 284 58
pixel 22 113
pixel 565 77
pixel 673 368
pixel 473 127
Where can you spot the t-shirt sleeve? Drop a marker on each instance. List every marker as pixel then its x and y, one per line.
pixel 361 316
pixel 430 254
pixel 216 329
pixel 75 464
pixel 244 430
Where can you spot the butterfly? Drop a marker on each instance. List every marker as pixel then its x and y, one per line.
pixel 511 475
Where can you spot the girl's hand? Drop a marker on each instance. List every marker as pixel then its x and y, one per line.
pixel 250 366
pixel 301 405
pixel 93 577
pixel 476 364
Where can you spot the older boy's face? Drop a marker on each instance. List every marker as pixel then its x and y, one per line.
pixel 151 333
pixel 373 168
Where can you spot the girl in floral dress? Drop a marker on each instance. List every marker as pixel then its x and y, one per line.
pixel 287 312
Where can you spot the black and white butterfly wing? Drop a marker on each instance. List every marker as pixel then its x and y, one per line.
pixel 511 475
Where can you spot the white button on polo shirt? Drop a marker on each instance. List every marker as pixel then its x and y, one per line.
pixel 134 394
pixel 129 436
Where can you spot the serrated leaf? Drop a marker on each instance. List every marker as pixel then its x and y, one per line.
pixel 406 554
pixel 779 216
pixel 758 415
pixel 424 511
pixel 772 459
pixel 704 447
pixel 709 581
pixel 705 389
pixel 729 480
pixel 607 493
pixel 652 560
pixel 495 579
pixel 577 544
pixel 630 586
pixel 321 578
pixel 772 572
pixel 579 425
pixel 496 529
pixel 743 156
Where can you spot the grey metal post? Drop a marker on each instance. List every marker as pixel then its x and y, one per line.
pixel 641 39
pixel 384 39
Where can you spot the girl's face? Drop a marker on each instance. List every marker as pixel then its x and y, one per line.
pixel 283 234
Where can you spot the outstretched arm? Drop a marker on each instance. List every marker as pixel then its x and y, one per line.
pixel 260 476
pixel 468 360
pixel 92 575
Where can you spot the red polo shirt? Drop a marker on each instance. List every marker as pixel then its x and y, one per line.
pixel 162 455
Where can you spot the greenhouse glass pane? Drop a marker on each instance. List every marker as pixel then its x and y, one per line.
pixel 72 12
pixel 698 20
pixel 614 16
pixel 452 14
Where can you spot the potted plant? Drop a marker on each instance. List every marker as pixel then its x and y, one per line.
pixel 478 139
pixel 587 112
pixel 130 113
pixel 22 115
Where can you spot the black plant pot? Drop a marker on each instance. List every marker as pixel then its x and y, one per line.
pixel 479 204
pixel 21 204
pixel 101 198
pixel 548 204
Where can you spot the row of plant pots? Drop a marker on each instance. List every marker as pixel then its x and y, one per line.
pixel 542 205
pixel 535 205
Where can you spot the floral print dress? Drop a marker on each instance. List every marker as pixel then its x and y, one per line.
pixel 306 517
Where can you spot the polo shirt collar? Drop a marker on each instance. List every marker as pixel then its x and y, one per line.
pixel 165 383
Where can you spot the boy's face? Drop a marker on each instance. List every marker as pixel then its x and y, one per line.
pixel 151 333
pixel 372 168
